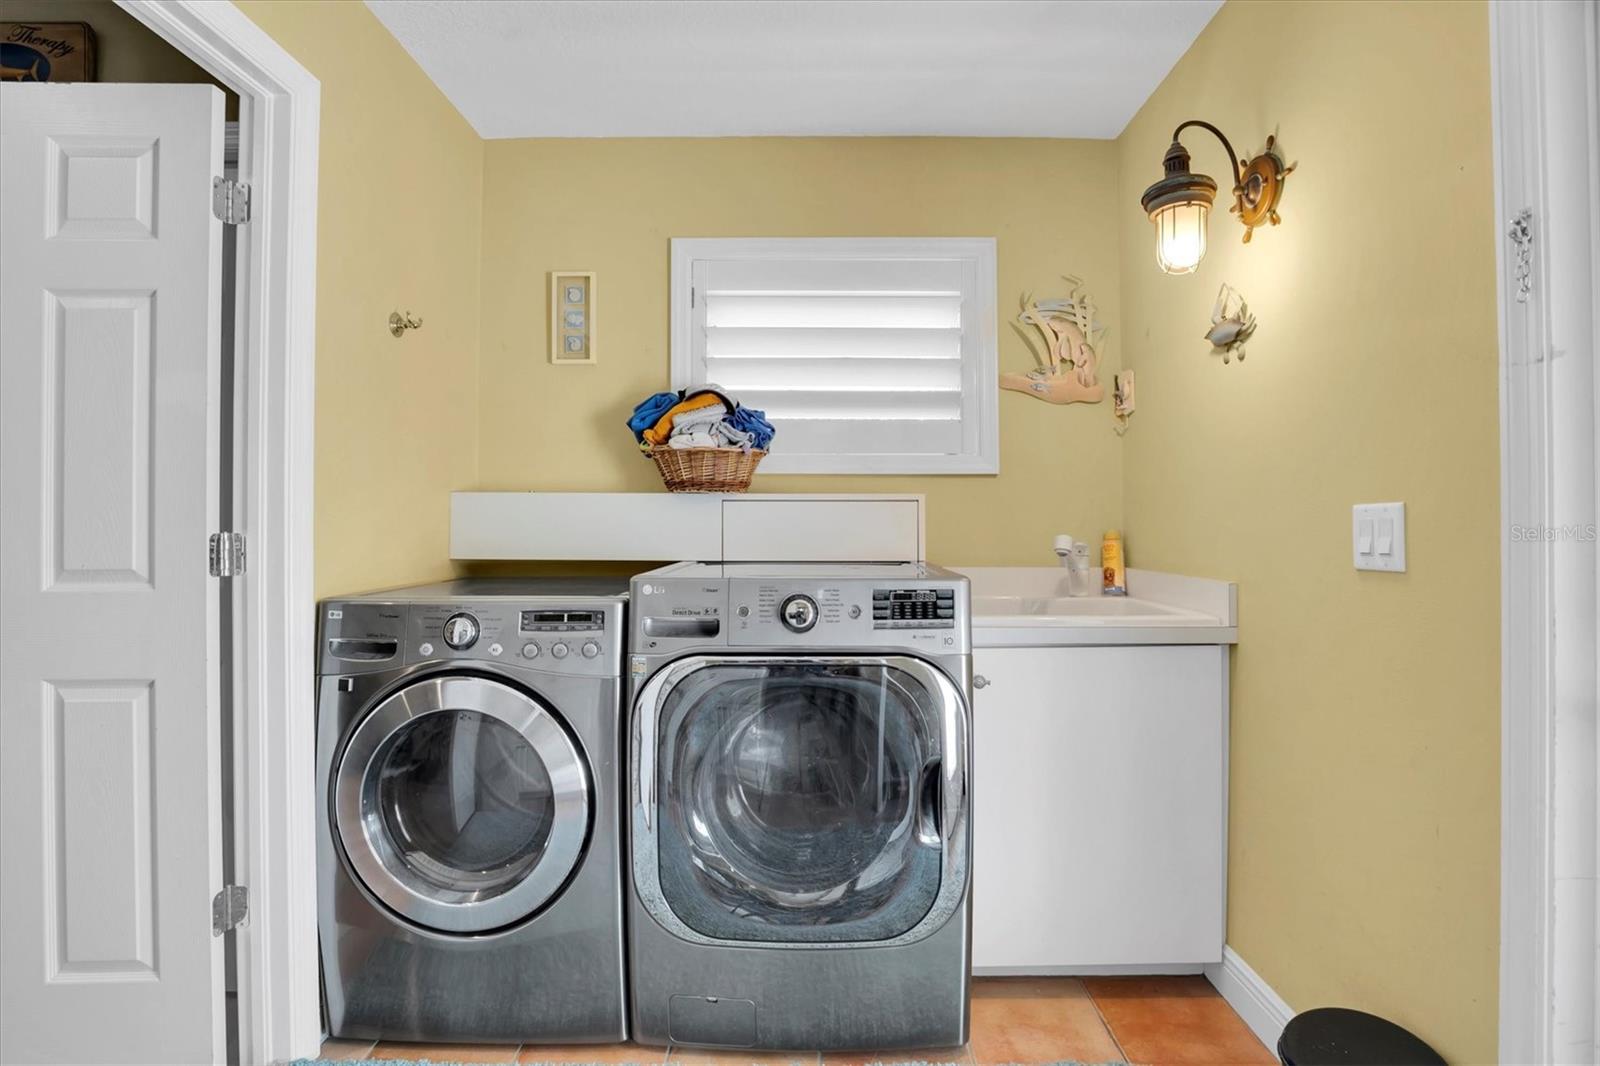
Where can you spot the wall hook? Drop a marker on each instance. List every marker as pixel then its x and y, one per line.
pixel 398 324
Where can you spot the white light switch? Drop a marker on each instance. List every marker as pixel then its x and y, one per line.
pixel 1378 531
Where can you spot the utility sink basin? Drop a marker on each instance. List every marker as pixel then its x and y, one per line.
pixel 1112 608
pixel 1028 597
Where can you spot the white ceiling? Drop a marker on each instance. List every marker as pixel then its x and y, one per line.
pixel 720 68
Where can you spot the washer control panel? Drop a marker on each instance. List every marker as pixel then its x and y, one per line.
pixel 919 608
pixel 845 613
pixel 690 606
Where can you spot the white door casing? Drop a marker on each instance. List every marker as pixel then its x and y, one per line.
pixel 274 616
pixel 1545 69
pixel 109 730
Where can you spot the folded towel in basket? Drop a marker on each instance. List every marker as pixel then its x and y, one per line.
pixel 658 433
pixel 649 412
pixel 749 420
pixel 699 420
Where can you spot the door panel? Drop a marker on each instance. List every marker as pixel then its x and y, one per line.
pixel 109 729
pixel 97 374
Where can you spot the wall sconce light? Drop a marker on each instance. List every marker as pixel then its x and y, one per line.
pixel 1179 205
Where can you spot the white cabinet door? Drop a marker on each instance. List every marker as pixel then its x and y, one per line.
pixel 109 730
pixel 1099 806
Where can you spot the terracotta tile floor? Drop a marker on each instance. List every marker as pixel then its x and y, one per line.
pixel 1170 1021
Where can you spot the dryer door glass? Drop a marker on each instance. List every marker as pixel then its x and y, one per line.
pixel 465 800
pixel 799 801
pixel 462 804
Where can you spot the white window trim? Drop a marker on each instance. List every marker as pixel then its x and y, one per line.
pixel 982 250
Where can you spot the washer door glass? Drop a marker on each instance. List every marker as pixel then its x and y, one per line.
pixel 462 803
pixel 799 801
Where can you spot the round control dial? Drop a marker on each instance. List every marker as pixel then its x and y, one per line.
pixel 799 613
pixel 559 650
pixel 461 631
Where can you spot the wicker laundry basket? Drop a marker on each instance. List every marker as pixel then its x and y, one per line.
pixel 706 469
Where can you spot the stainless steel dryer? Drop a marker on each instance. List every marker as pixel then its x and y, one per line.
pixel 469 870
pixel 799 788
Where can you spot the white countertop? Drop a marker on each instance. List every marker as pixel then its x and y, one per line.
pixel 1029 607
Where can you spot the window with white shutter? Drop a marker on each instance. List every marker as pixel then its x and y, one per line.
pixel 868 355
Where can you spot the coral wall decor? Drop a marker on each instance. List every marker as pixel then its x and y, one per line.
pixel 1069 370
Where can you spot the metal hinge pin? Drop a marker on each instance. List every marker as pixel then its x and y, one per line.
pixel 226 557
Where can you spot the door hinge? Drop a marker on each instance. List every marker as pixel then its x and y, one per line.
pixel 230 200
pixel 230 909
pixel 227 554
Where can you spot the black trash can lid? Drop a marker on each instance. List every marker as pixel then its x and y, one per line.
pixel 1338 1036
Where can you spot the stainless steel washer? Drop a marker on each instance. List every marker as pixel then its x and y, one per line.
pixel 798 774
pixel 469 881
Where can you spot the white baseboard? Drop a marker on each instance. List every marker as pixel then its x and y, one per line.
pixel 1140 969
pixel 1262 1009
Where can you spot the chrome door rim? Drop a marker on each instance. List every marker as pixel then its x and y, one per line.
pixel 646 818
pixel 365 841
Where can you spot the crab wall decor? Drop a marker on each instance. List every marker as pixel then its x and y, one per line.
pixel 1070 368
pixel 1232 324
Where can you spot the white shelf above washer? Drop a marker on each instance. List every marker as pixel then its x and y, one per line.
pixel 704 527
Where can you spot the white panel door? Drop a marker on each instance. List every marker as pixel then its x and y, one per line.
pixel 109 743
pixel 1099 798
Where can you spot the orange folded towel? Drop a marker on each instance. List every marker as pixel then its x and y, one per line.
pixel 658 433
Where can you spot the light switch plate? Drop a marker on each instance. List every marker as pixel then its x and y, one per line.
pixel 1378 536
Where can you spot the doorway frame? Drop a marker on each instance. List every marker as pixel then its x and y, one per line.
pixel 1547 787
pixel 274 616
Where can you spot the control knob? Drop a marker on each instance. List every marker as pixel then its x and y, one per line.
pixel 461 631
pixel 799 613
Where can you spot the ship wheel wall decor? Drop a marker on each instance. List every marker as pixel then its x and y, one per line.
pixel 1179 205
pixel 1069 371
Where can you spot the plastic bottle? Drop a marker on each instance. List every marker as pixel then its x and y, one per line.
pixel 1113 567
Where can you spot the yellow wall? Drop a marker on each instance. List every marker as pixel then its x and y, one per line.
pixel 1363 859
pixel 612 205
pixel 399 227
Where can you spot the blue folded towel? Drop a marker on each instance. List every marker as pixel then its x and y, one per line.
pixel 649 412
pixel 753 422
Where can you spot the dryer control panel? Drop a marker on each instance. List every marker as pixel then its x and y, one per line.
pixel 359 636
